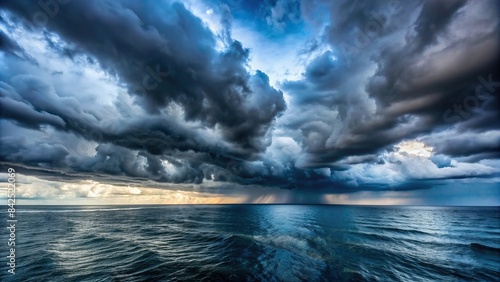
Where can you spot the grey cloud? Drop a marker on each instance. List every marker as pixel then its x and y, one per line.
pixel 26 115
pixel 169 61
pixel 7 44
pixel 162 62
pixel 195 113
pixel 402 100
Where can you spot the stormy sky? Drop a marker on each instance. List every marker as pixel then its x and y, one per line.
pixel 340 102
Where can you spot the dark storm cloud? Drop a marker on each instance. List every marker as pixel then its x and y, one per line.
pixel 387 72
pixel 467 144
pixel 434 17
pixel 7 44
pixel 398 74
pixel 171 59
pixel 154 137
pixel 15 150
pixel 56 160
pixel 404 86
pixel 350 19
pixel 26 115
pixel 413 85
pixel 113 160
pixel 162 60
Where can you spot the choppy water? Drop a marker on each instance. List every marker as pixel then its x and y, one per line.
pixel 255 243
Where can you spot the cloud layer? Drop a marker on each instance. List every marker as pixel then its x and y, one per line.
pixel 162 94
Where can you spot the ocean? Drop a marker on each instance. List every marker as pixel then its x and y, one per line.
pixel 254 243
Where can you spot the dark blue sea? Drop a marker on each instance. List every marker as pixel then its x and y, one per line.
pixel 255 243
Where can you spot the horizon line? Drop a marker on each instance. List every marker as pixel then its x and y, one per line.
pixel 270 204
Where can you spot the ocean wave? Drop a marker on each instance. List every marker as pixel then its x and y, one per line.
pixel 251 244
pixel 76 210
pixel 484 248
